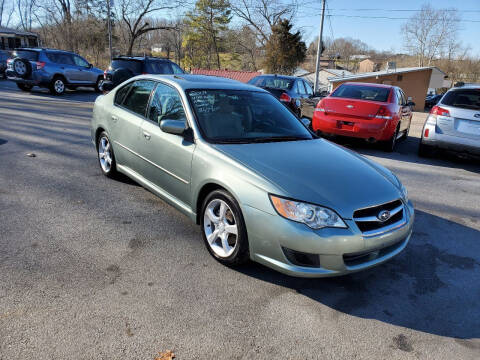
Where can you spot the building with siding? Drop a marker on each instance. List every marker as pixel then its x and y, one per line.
pixel 13 38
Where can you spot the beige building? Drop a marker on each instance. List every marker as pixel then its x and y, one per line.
pixel 371 65
pixel 324 75
pixel 414 81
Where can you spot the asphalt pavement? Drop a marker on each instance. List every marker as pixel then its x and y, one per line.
pixel 92 268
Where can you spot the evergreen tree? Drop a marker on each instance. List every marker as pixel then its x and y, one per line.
pixel 205 25
pixel 284 50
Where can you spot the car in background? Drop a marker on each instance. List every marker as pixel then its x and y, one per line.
pixel 56 70
pixel 123 68
pixel 432 100
pixel 4 56
pixel 454 123
pixel 374 112
pixel 233 159
pixel 294 92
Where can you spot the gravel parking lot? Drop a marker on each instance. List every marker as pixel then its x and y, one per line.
pixel 92 268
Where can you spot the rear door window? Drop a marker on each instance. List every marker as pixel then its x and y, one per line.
pixel 137 98
pixel 26 54
pixel 465 98
pixel 134 66
pixel 362 92
pixel 308 88
pixel 301 88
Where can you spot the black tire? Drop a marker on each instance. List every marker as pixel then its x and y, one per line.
pixel 426 150
pixel 111 171
pixel 22 67
pixel 55 87
pixel 98 84
pixel 390 145
pixel 240 252
pixel 24 87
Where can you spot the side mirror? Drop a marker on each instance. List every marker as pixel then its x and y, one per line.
pixel 305 121
pixel 174 127
pixel 89 66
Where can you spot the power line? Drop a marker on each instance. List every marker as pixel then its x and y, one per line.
pixel 395 18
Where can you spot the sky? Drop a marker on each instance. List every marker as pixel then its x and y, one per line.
pixel 382 34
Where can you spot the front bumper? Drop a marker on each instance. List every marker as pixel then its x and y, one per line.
pixel 450 142
pixel 340 251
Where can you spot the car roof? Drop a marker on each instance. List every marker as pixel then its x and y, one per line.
pixel 189 81
pixel 140 58
pixel 45 49
pixel 279 76
pixel 369 84
pixel 466 86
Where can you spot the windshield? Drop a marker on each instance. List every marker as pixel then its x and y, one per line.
pixel 362 92
pixel 466 98
pixel 162 67
pixel 273 82
pixel 239 116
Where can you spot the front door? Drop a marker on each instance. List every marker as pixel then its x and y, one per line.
pixel 84 75
pixel 168 157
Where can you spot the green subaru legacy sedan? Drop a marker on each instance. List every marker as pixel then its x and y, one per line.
pixel 257 181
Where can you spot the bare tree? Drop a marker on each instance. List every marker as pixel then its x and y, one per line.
pixel 262 15
pixel 25 10
pixel 134 14
pixel 6 11
pixel 427 33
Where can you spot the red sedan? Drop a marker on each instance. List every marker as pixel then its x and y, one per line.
pixel 374 112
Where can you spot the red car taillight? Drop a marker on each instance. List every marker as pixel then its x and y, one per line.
pixel 320 107
pixel 384 113
pixel 105 74
pixel 437 110
pixel 285 98
pixel 40 65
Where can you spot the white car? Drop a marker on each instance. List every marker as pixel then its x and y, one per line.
pixel 454 123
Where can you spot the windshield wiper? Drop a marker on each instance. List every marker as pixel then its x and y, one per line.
pixel 279 139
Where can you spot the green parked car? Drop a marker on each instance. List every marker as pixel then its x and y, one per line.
pixel 258 182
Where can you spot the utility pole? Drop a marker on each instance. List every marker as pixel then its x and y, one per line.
pixel 319 48
pixel 110 28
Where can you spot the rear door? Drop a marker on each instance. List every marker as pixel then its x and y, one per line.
pixel 464 108
pixel 126 119
pixel 309 102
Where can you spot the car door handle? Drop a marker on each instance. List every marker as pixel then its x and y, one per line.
pixel 114 118
pixel 146 135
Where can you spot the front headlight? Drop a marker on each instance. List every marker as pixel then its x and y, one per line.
pixel 314 216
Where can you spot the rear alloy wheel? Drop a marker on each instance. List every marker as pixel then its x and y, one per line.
pixel 99 84
pixel 106 158
pixel 24 87
pixel 57 86
pixel 224 230
pixel 389 145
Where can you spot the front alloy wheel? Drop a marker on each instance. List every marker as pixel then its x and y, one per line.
pixel 224 229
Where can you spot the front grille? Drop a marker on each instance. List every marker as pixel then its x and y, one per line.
pixel 368 220
pixel 360 258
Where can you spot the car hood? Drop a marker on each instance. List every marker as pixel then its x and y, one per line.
pixel 318 172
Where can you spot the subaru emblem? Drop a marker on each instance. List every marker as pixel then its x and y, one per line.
pixel 383 215
pixel 477 115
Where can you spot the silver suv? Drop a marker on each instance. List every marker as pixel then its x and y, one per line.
pixel 454 123
pixel 53 69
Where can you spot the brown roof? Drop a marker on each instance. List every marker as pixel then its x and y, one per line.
pixel 243 76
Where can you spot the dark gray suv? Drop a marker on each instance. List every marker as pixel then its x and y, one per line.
pixel 56 70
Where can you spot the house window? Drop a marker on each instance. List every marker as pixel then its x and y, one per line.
pixel 18 42
pixel 399 77
pixel 11 43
